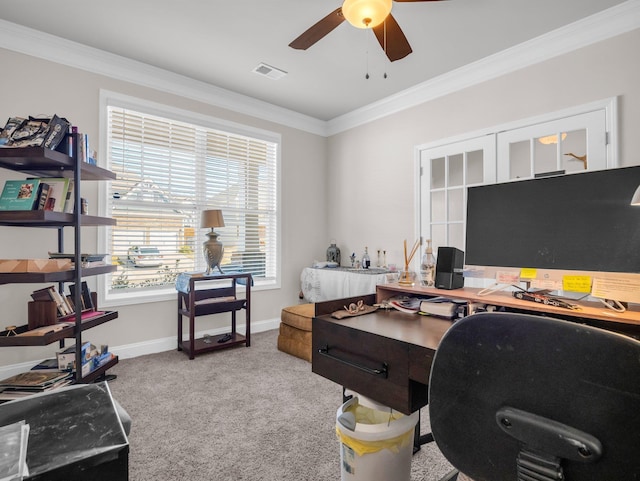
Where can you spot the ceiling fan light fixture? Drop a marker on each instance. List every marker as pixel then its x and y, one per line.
pixel 366 13
pixel 551 139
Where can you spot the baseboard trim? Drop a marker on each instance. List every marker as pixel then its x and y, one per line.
pixel 153 346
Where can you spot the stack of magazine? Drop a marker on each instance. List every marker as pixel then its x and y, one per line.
pixel 32 382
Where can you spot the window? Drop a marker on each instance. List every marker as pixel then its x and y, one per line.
pixel 169 168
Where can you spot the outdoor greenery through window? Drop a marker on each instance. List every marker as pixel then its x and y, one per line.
pixel 168 172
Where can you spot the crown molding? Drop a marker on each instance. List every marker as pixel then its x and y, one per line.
pixel 55 49
pixel 593 29
pixel 601 26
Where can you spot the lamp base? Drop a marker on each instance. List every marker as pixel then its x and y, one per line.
pixel 213 251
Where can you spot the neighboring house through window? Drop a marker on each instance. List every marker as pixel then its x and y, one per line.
pixel 170 166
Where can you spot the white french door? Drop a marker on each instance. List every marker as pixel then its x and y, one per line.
pixel 571 141
pixel 570 144
pixel 446 172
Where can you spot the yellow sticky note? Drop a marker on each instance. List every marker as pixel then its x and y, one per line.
pixel 576 283
pixel 528 273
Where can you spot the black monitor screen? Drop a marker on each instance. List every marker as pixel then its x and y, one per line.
pixel 578 222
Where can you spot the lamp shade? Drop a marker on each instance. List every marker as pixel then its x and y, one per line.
pixel 212 218
pixel 636 197
pixel 366 13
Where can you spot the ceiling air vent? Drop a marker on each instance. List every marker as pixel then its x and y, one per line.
pixel 269 71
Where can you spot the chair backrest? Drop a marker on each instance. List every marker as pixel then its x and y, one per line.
pixel 524 397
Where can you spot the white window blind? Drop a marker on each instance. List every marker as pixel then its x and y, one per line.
pixel 167 172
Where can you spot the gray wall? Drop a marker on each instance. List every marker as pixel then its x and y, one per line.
pixel 41 87
pixel 372 190
pixel 356 187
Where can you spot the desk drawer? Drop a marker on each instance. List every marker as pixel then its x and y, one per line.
pixel 372 365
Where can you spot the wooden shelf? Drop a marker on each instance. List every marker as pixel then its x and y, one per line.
pixel 201 346
pixel 57 276
pixel 213 300
pixel 51 337
pixel 47 218
pixel 628 321
pixel 41 162
pixel 99 372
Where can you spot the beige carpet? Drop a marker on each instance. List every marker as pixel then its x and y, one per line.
pixel 251 414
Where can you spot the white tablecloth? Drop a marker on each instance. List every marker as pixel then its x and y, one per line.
pixel 335 283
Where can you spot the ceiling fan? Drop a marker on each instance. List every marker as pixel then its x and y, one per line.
pixel 372 14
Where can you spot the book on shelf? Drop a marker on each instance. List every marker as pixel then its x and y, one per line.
pixel 57 193
pixel 51 293
pixel 441 306
pixel 91 357
pixel 69 199
pixel 36 194
pixel 33 382
pixel 407 304
pixel 43 193
pixel 85 295
pixel 38 379
pixel 51 363
pixel 19 194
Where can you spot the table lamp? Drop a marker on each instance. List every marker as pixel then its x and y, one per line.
pixel 212 248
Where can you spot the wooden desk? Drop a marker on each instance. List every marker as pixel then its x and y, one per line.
pixel 591 313
pixel 385 356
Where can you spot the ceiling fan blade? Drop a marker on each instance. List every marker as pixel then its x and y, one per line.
pixel 319 30
pixel 397 46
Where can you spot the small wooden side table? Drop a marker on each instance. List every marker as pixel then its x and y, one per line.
pixel 213 294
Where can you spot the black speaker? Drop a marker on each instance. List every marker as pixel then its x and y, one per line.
pixel 449 268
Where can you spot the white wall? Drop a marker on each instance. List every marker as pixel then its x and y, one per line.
pixel 371 193
pixel 38 87
pixel 356 187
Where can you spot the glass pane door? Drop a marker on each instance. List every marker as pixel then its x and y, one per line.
pixel 446 172
pixel 571 144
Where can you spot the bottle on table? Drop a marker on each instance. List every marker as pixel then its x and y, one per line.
pixel 428 266
pixel 366 261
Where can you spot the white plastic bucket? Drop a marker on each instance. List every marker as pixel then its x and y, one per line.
pixel 376 442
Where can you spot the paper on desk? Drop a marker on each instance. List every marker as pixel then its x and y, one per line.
pixel 623 290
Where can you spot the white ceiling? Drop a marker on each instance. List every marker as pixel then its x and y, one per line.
pixel 220 43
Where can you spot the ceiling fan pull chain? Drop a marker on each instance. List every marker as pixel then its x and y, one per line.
pixel 366 51
pixel 385 44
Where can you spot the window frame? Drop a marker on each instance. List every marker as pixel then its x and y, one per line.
pixel 108 99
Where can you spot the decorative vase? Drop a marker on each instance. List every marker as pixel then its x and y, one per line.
pixel 333 253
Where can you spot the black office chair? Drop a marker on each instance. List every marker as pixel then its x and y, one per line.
pixel 530 398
